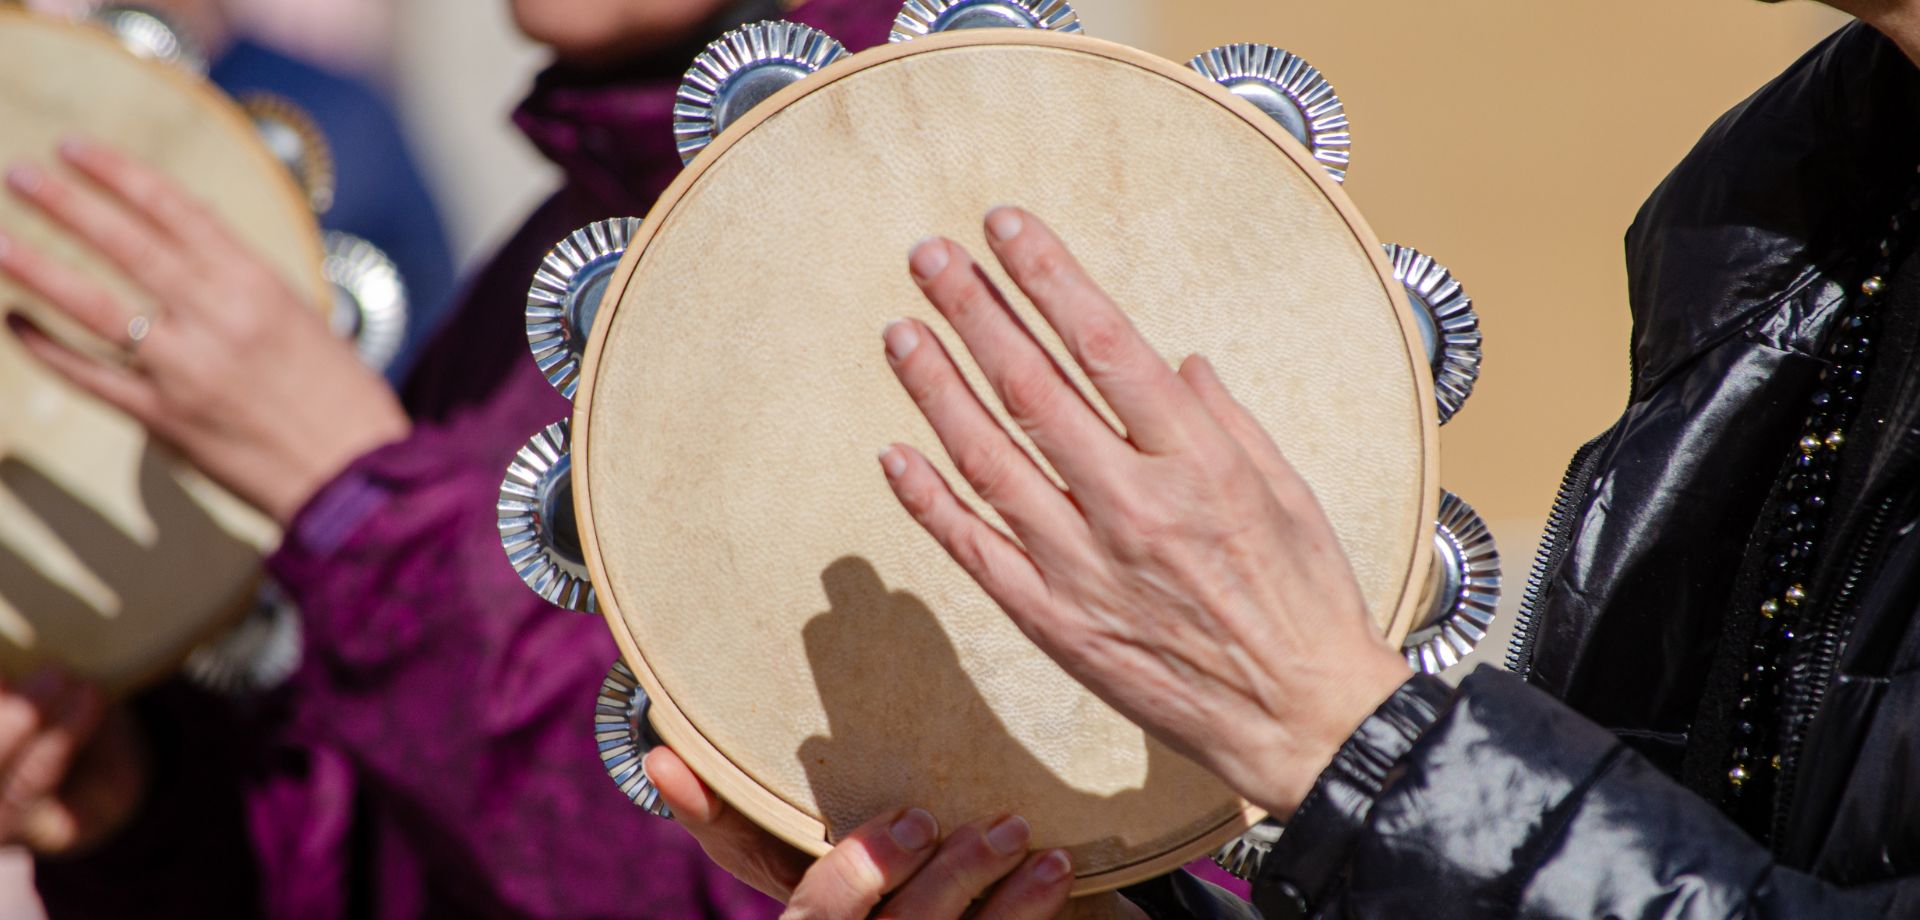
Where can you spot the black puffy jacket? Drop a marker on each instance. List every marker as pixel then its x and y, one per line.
pixel 1586 786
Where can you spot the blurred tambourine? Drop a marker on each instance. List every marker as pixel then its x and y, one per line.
pixel 785 627
pixel 116 560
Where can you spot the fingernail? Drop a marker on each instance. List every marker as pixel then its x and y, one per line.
pixel 892 461
pixel 1004 224
pixel 901 339
pixel 24 178
pixel 75 148
pixel 1009 835
pixel 1053 867
pixel 914 830
pixel 929 258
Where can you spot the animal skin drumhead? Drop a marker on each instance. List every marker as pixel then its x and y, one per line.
pixel 810 651
pixel 114 558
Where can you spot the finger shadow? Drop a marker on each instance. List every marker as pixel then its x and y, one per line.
pixel 161 586
pixel 909 726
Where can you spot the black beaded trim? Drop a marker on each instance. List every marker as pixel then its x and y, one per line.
pixel 1752 768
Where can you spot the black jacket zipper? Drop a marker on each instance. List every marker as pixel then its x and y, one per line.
pixel 1554 544
pixel 1805 695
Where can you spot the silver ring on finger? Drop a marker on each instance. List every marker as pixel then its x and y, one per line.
pixel 138 328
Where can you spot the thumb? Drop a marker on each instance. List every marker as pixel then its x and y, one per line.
pixel 736 844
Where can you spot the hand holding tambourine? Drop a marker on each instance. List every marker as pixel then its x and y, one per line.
pixel 179 383
pixel 898 865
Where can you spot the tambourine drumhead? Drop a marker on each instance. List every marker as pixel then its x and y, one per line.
pixel 812 653
pixel 115 559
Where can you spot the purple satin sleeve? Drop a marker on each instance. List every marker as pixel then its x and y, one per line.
pixel 462 705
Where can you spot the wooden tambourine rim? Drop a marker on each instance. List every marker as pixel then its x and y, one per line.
pixel 239 127
pixel 714 767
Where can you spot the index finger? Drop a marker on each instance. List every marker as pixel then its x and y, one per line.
pixel 879 856
pixel 1136 382
pixel 142 251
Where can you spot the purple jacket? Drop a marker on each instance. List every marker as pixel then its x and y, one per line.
pixel 434 756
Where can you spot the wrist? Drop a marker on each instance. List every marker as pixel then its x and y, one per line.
pixel 1314 733
pixel 323 467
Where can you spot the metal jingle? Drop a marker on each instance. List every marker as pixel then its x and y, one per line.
pixel 1243 856
pixel 566 296
pixel 148 33
pixel 1449 327
pixel 258 655
pixel 739 71
pixel 623 735
pixel 537 525
pixel 369 298
pixel 920 18
pixel 1463 590
pixel 1292 92
pixel 295 139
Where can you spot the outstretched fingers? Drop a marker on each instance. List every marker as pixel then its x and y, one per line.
pixel 81 298
pixel 1000 472
pixel 1006 572
pixel 151 195
pixel 1135 381
pixel 1037 394
pixel 141 251
pixel 116 386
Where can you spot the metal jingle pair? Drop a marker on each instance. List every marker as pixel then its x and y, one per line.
pixel 370 297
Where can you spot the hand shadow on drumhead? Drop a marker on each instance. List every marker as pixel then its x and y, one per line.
pixel 905 718
pixel 155 583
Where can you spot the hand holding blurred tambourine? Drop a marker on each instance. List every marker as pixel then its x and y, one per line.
pixel 164 267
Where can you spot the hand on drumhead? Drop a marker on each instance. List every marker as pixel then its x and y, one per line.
pixel 71 770
pixel 895 866
pixel 225 362
pixel 1186 573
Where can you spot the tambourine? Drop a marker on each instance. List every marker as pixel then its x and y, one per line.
pixel 784 626
pixel 117 560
